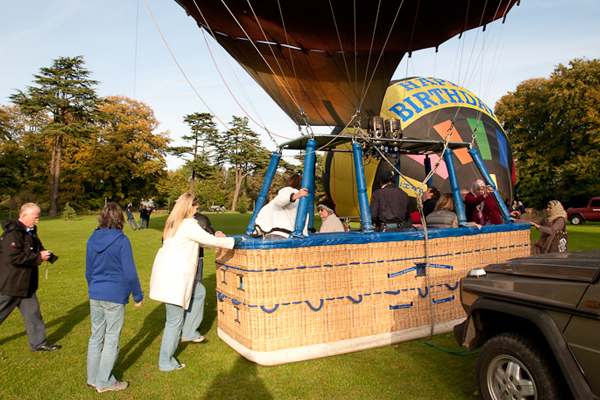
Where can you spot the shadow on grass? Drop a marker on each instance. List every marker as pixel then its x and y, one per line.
pixel 63 325
pixel 66 323
pixel 150 330
pixel 241 382
pixel 210 307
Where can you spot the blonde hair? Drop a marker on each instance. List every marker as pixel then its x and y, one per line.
pixel 183 209
pixel 445 202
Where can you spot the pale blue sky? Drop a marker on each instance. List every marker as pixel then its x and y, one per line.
pixel 537 36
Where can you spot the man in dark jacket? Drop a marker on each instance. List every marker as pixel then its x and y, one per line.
pixel 195 312
pixel 390 209
pixel 21 252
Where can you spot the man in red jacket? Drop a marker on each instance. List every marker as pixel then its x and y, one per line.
pixel 21 252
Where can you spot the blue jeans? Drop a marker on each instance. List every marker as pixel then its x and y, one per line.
pixel 171 336
pixel 103 348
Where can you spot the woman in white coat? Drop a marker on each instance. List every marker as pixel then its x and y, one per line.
pixel 174 271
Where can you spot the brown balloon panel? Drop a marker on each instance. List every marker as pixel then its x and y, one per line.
pixel 323 62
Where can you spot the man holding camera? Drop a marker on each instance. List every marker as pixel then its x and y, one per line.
pixel 21 252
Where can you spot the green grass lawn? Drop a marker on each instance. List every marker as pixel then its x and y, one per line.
pixel 411 370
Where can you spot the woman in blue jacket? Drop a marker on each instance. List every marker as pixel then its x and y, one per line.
pixel 112 277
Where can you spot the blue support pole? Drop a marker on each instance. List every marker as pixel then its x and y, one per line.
pixel 307 177
pixel 264 191
pixel 428 170
pixel 458 201
pixel 488 179
pixel 311 198
pixel 361 186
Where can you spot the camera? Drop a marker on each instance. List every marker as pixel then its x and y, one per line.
pixel 53 258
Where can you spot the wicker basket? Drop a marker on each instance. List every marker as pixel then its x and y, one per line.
pixel 290 300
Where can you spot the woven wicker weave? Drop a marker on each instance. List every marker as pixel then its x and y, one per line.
pixel 331 299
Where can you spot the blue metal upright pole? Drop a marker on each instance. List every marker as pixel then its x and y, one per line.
pixel 428 170
pixel 264 191
pixel 458 201
pixel 361 186
pixel 307 176
pixel 488 179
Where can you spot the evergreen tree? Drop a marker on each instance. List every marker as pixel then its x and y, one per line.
pixel 67 96
pixel 240 148
pixel 204 134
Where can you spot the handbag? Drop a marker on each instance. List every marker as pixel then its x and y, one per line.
pixel 561 238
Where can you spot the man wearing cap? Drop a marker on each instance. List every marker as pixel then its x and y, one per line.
pixel 21 252
pixel 390 208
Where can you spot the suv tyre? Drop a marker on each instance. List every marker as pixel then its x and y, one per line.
pixel 576 219
pixel 511 366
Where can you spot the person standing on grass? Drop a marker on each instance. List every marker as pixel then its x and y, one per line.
pixel 174 271
pixel 21 252
pixel 112 277
pixel 130 218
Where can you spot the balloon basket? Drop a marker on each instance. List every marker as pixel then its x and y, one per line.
pixel 289 300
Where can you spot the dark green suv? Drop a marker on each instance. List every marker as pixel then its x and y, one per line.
pixel 536 321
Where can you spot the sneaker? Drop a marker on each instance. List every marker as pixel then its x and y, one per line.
pixel 197 340
pixel 113 388
pixel 180 366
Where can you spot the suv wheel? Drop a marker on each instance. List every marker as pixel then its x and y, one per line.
pixel 576 219
pixel 510 366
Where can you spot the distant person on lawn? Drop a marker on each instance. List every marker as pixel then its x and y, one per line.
pixel 112 277
pixel 21 252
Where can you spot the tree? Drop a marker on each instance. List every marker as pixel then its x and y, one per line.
pixel 23 157
pixel 67 96
pixel 125 160
pixel 204 133
pixel 554 129
pixel 240 148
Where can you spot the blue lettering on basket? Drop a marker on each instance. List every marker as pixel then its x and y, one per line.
pixel 422 265
pixel 401 272
pixel 421 293
pixel 401 306
pixel 451 287
pixel 443 300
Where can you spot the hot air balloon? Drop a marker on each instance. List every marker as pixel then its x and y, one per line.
pixel 329 63
pixel 430 109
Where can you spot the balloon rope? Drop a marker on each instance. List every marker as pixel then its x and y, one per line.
pixel 179 66
pixel 282 85
pixel 366 89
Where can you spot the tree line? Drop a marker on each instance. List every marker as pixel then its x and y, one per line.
pixel 553 126
pixel 62 143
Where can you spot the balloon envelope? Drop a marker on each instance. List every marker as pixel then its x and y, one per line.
pixel 432 109
pixel 321 61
